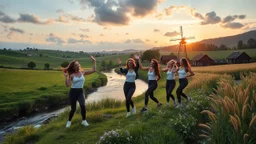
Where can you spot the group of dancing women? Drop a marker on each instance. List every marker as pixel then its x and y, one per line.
pixel 74 78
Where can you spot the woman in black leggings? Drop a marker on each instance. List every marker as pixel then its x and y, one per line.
pixel 182 72
pixel 131 73
pixel 170 81
pixel 153 77
pixel 75 77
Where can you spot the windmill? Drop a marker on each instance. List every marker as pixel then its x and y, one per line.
pixel 182 48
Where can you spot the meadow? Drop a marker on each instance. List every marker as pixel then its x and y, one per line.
pixel 18 59
pixel 202 120
pixel 23 91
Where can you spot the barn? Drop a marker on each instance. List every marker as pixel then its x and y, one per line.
pixel 238 57
pixel 202 60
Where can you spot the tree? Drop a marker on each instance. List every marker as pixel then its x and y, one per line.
pixel 31 65
pixel 64 64
pixel 47 66
pixel 5 49
pixel 103 63
pixel 151 54
pixel 40 55
pixel 251 43
pixel 223 47
pixel 240 44
pixel 172 54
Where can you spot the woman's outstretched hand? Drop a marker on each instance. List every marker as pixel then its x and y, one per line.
pixel 118 61
pixel 93 59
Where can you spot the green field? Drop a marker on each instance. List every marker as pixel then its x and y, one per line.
pixel 18 59
pixel 159 125
pixel 216 54
pixel 22 91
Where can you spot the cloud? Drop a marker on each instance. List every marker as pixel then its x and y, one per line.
pixel 171 34
pixel 54 39
pixel 126 33
pixel 5 18
pixel 62 19
pixel 233 25
pixel 72 41
pixel 156 30
pixel 85 30
pixel 211 18
pixel 147 40
pixel 156 42
pixel 29 18
pixel 84 36
pixel 134 41
pixel 168 11
pixel 102 34
pixel 232 18
pixel 16 30
pixel 107 28
pixel 60 11
pixel 119 12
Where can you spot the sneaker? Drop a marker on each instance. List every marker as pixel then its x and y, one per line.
pixel 134 110
pixel 189 98
pixel 159 104
pixel 128 114
pixel 174 103
pixel 143 110
pixel 84 122
pixel 179 105
pixel 68 124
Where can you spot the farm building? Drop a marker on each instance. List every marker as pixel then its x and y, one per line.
pixel 238 57
pixel 165 58
pixel 202 60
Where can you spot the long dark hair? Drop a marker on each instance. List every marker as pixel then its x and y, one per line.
pixel 156 68
pixel 186 63
pixel 71 68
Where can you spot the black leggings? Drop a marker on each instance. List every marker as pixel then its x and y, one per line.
pixel 152 85
pixel 129 88
pixel 179 92
pixel 170 85
pixel 77 94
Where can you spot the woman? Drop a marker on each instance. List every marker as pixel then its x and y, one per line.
pixel 75 77
pixel 131 73
pixel 153 77
pixel 182 72
pixel 170 81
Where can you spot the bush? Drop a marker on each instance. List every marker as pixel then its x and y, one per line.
pixel 115 137
pixel 31 65
pixel 64 64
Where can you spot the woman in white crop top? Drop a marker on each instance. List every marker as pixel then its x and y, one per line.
pixel 153 77
pixel 75 78
pixel 182 72
pixel 131 74
pixel 170 70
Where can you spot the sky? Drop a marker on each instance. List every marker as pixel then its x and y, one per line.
pixel 97 25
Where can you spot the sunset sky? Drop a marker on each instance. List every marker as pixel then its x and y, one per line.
pixel 96 25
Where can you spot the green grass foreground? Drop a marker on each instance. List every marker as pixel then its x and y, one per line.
pixel 23 91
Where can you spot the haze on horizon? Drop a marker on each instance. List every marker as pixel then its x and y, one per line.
pixel 97 25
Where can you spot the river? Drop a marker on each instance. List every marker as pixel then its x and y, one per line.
pixel 113 89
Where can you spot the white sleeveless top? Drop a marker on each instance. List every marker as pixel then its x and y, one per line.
pixel 78 82
pixel 151 75
pixel 182 73
pixel 170 75
pixel 130 76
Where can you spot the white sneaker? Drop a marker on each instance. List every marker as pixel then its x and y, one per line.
pixel 134 110
pixel 68 124
pixel 128 114
pixel 179 105
pixel 174 104
pixel 84 122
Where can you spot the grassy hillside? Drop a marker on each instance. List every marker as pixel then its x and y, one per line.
pixel 216 54
pixel 23 91
pixel 18 59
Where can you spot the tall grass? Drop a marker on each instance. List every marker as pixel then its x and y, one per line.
pixel 232 118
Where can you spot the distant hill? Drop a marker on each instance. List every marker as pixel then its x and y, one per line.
pixel 229 41
pixel 124 51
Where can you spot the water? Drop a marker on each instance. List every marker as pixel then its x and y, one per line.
pixel 113 89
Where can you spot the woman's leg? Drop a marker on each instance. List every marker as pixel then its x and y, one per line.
pixel 72 100
pixel 81 101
